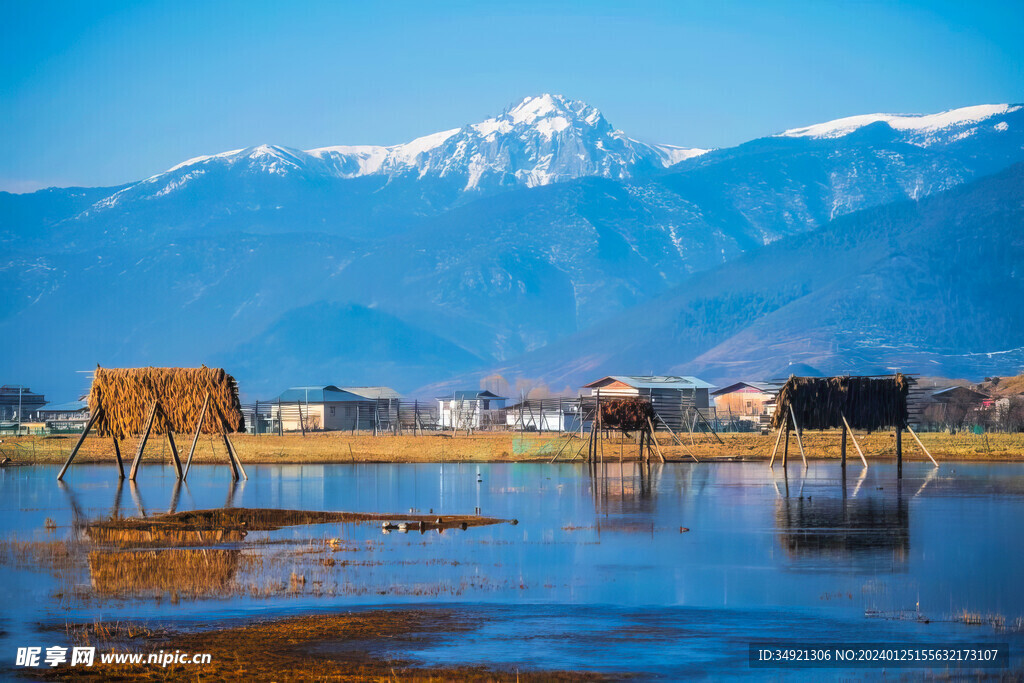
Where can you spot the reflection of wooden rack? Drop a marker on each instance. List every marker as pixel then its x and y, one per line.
pixel 236 464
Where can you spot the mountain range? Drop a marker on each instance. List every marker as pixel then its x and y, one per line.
pixel 540 243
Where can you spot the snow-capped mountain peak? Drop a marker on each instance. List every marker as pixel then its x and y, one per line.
pixel 920 129
pixel 552 107
pixel 538 140
pixel 535 106
pixel 545 139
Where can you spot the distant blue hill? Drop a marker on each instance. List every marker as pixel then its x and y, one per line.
pixel 932 287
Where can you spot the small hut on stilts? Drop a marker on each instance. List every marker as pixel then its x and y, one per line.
pixel 140 402
pixel 845 403
pixel 626 415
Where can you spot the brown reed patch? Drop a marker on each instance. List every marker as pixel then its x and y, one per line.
pixel 177 571
pixel 106 533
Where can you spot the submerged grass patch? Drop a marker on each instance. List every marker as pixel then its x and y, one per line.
pixel 177 571
pixel 347 646
pixel 226 525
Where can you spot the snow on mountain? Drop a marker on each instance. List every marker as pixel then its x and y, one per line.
pixel 538 141
pixel 672 155
pixel 205 157
pixel 920 129
pixel 350 161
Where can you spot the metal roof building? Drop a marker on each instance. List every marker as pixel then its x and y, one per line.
pixel 324 393
pixel 14 397
pixel 373 393
pixel 676 399
pixel 651 382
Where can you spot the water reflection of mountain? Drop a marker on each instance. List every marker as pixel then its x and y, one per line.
pixel 872 528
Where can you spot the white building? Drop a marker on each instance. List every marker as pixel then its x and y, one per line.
pixel 470 410
pixel 544 415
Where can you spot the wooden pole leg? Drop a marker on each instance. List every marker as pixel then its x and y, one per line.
pixel 654 438
pixel 799 438
pixel 778 438
pixel 853 438
pixel 785 451
pixel 231 458
pixel 174 454
pixel 234 456
pixel 195 438
pixel 142 442
pixel 117 453
pixel 918 440
pixel 899 452
pixel 78 444
pixel 842 451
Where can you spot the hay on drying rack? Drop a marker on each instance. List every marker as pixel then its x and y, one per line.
pixel 126 396
pixel 870 403
pixel 627 414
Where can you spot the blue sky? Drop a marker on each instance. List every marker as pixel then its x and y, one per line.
pixel 103 93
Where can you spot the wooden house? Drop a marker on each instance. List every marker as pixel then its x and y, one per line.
pixel 961 395
pixel 751 402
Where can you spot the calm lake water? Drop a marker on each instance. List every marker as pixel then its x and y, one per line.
pixel 598 574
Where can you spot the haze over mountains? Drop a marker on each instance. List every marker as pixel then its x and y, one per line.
pixel 542 242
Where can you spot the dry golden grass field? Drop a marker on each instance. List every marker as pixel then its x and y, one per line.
pixel 333 447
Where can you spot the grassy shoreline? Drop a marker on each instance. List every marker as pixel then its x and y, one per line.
pixel 345 447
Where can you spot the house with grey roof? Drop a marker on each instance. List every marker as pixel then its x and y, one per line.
pixel 374 393
pixel 321 407
pixel 675 399
pixel 61 417
pixel 19 403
